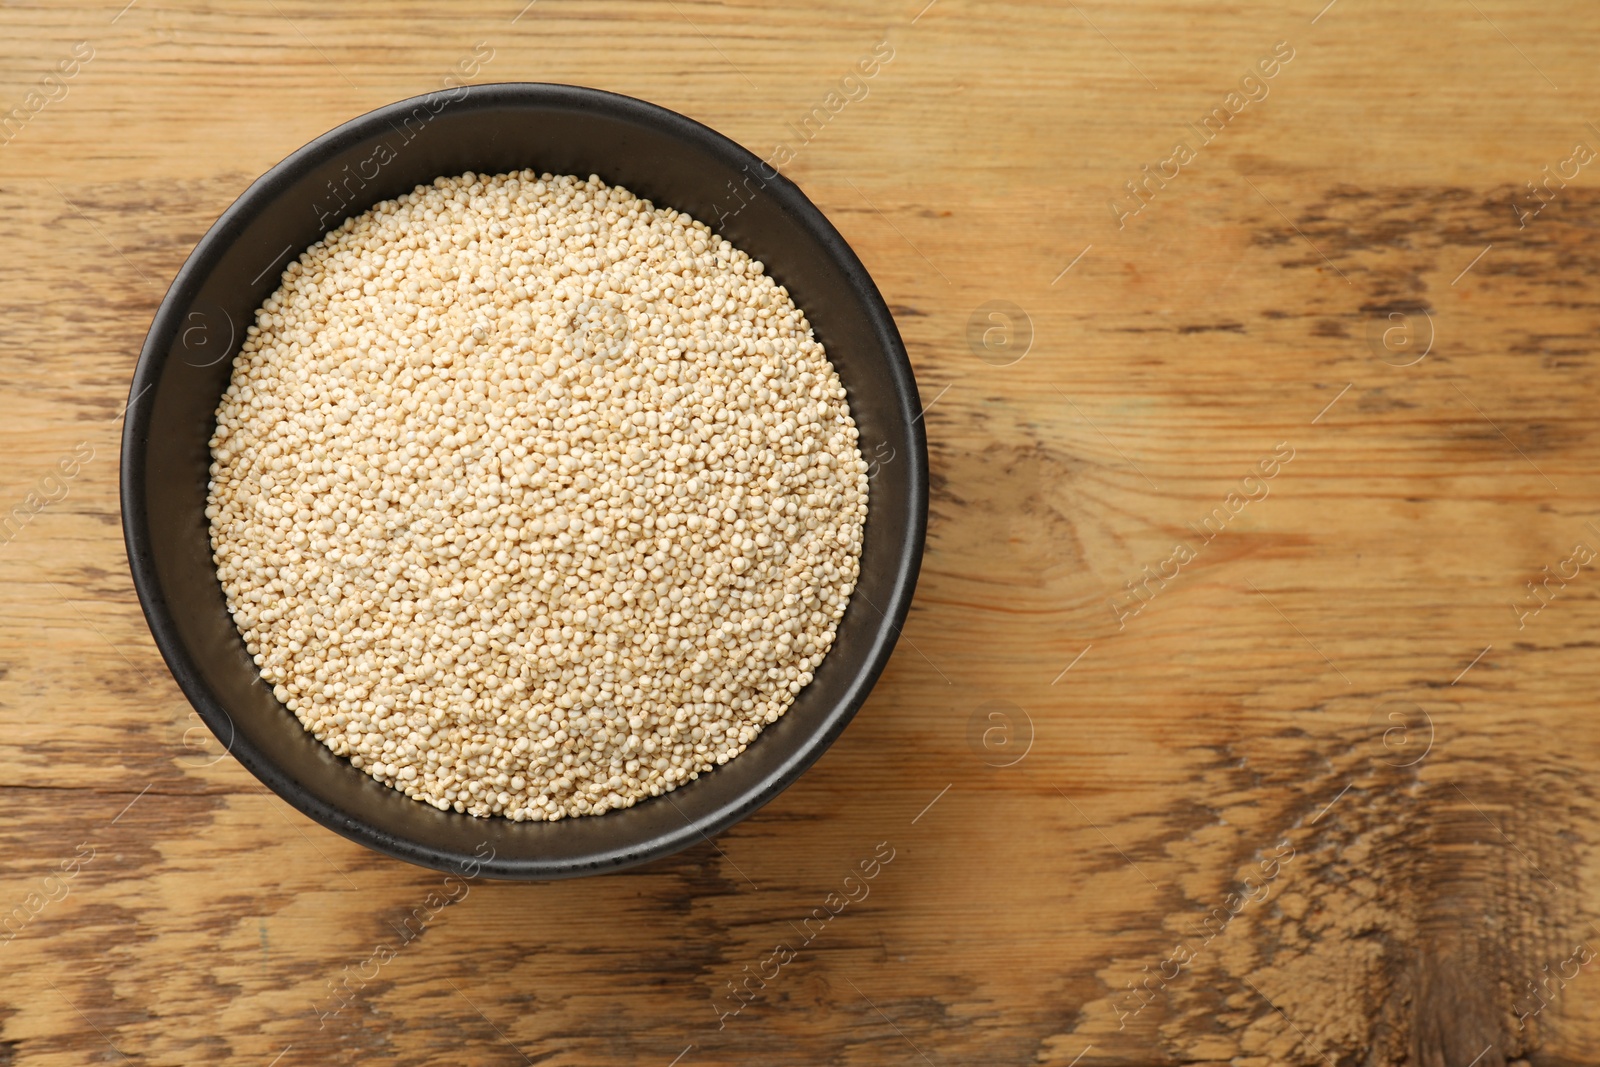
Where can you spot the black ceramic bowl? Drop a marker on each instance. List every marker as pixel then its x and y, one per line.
pixel 187 361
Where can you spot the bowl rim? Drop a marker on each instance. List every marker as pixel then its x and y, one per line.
pixel 137 428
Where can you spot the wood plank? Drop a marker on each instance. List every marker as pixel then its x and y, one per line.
pixel 1336 688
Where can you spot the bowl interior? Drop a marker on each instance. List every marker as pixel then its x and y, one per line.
pixel 187 361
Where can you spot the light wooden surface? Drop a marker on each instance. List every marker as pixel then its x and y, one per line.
pixel 1335 692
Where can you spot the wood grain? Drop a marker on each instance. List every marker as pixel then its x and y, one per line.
pixel 1335 697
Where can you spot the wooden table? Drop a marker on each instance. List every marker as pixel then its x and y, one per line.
pixel 1178 761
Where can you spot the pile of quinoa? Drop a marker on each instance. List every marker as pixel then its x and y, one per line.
pixel 532 498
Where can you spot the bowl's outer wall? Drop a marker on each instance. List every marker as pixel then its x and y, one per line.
pixel 186 364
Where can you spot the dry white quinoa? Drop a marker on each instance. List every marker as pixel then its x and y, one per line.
pixel 532 498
